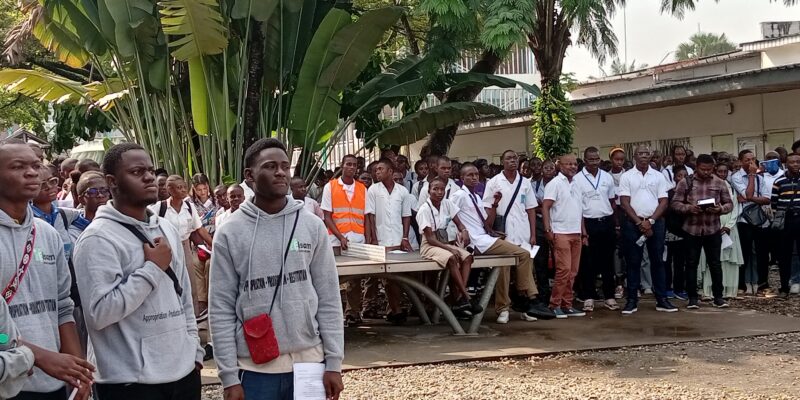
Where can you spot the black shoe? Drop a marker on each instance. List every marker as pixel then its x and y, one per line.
pixel 539 310
pixel 720 303
pixel 631 307
pixel 352 320
pixel 520 305
pixel 664 305
pixel 396 319
pixel 475 306
pixel 693 304
pixel 209 349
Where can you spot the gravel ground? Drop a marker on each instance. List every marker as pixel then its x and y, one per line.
pixel 754 368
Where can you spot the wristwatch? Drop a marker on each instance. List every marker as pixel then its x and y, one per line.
pixel 651 221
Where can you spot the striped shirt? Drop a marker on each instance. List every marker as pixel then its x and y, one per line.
pixel 785 194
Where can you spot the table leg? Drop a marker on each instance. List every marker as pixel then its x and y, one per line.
pixel 412 295
pixel 444 277
pixel 433 297
pixel 485 296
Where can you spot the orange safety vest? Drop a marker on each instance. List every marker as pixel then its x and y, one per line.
pixel 348 215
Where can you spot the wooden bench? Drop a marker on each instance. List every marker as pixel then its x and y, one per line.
pixel 396 268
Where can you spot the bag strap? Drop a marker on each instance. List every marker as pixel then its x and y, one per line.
pixel 513 197
pixel 64 218
pixel 689 185
pixel 285 255
pixel 27 255
pixel 169 271
pixel 162 208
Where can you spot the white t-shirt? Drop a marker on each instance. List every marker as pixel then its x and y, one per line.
pixel 389 210
pixel 429 217
pixel 327 205
pixel 472 214
pixel 567 210
pixel 518 229
pixel 248 193
pixel 313 207
pixel 644 190
pixel 186 221
pixel 739 183
pixel 595 192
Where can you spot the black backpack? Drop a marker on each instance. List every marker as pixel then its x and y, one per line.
pixel 674 220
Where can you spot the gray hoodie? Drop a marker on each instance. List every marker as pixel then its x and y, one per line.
pixel 15 359
pixel 42 301
pixel 248 252
pixel 140 330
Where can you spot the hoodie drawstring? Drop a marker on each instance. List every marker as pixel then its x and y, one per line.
pixel 250 256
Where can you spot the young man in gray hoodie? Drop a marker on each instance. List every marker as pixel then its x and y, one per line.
pixel 36 282
pixel 136 296
pixel 259 267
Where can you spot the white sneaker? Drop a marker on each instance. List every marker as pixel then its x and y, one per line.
pixel 525 317
pixel 648 292
pixel 611 304
pixel 588 305
pixel 618 292
pixel 502 318
pixel 795 288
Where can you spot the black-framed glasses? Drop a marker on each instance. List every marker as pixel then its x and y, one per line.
pixel 97 192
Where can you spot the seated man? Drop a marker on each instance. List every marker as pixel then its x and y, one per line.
pixel 487 241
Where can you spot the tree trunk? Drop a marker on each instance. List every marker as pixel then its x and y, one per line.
pixel 439 141
pixel 255 75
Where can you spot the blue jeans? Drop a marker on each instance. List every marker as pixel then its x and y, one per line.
pixel 258 386
pixel 633 258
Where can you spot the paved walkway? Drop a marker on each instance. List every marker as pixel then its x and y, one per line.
pixel 379 344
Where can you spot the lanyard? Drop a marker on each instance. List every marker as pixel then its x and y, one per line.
pixel 538 184
pixel 596 184
pixel 433 217
pixel 477 209
pixel 27 256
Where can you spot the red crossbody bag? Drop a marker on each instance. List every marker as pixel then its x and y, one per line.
pixel 258 331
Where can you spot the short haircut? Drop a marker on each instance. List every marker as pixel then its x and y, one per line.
pixel 346 156
pixel 387 162
pixel 705 159
pixel 438 179
pixel 161 172
pixel 176 179
pixel 503 156
pixel 678 168
pixel 221 186
pixel 71 162
pixel 234 187
pixel 590 149
pixel 795 146
pixel 792 155
pixel 87 179
pixel 479 163
pixel 744 153
pixel 419 163
pixel 467 165
pixel 442 158
pixel 52 169
pixel 86 165
pixel 260 145
pixel 114 155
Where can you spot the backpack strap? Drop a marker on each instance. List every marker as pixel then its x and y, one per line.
pixel 144 239
pixel 162 208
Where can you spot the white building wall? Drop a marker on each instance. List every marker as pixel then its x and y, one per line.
pixel 757 121
pixel 782 55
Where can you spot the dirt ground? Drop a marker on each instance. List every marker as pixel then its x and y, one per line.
pixel 764 367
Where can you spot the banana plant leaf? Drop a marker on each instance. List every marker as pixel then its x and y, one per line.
pixel 42 86
pixel 416 126
pixel 338 52
pixel 199 25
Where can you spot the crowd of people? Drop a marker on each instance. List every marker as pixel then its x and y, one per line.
pixel 123 264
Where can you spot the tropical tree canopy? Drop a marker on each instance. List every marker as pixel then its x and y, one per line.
pixel 703 44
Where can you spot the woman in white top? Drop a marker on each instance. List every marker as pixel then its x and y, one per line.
pixel 433 217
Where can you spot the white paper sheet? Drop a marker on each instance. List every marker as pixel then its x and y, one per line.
pixel 726 241
pixel 308 381
pixel 533 250
pixel 397 252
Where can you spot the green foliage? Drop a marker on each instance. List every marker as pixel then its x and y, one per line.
pixel 506 23
pixel 569 82
pixel 704 44
pixel 24 111
pixel 618 67
pixel 416 126
pixel 553 123
pixel 77 122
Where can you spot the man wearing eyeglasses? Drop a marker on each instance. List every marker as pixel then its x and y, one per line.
pixel 643 197
pixel 45 207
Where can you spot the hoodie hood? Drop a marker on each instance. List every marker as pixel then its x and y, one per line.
pixel 107 211
pixel 251 210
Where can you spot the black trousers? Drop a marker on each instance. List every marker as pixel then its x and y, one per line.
pixel 598 258
pixel 60 394
pixel 755 250
pixel 675 269
pixel 188 388
pixel 712 245
pixel 789 239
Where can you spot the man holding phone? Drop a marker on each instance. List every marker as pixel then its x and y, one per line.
pixel 703 197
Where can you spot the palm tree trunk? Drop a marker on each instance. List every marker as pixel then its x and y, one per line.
pixel 255 75
pixel 439 142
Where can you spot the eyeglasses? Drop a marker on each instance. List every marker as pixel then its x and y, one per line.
pixel 97 192
pixel 52 182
